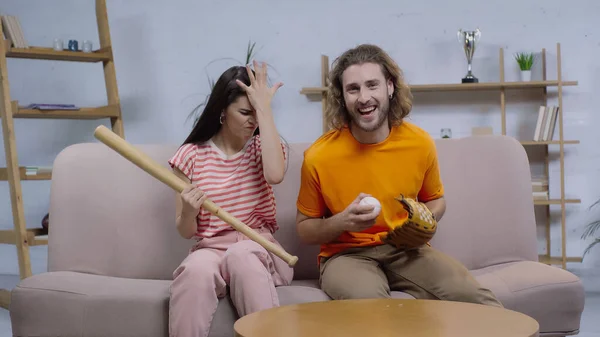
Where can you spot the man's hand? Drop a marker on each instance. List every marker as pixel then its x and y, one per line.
pixel 355 217
pixel 418 229
pixel 317 231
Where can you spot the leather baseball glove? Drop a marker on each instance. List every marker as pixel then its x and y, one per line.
pixel 417 230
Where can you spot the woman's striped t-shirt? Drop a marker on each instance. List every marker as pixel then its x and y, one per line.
pixel 235 183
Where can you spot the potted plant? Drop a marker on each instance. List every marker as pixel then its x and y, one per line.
pixel 590 230
pixel 525 61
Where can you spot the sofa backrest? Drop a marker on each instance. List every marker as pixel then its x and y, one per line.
pixel 490 215
pixel 109 217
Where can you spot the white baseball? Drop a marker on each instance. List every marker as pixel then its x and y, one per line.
pixel 371 201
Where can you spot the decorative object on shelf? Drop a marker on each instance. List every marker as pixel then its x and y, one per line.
pixel 525 61
pixel 46 224
pixel 86 46
pixel 468 40
pixel 58 45
pixel 446 133
pixel 73 45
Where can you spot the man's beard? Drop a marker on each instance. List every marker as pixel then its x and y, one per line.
pixel 381 118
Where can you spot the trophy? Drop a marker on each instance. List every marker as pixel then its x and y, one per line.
pixel 468 39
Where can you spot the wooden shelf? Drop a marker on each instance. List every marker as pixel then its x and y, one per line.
pixel 107 111
pixel 4 298
pixel 39 240
pixel 41 53
pixel 463 86
pixel 313 90
pixel 35 237
pixel 551 142
pixel 488 86
pixel 23 174
pixel 558 260
pixel 21 236
pixel 556 201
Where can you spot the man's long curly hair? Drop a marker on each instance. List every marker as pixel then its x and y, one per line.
pixel 336 115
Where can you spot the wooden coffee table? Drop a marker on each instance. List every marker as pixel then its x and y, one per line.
pixel 386 317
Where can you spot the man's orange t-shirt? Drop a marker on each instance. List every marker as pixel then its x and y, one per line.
pixel 337 168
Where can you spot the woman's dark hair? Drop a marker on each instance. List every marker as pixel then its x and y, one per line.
pixel 224 92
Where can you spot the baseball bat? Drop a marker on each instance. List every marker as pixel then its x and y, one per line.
pixel 166 176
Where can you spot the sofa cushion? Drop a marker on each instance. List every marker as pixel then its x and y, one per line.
pixel 552 296
pixel 75 304
pixel 308 291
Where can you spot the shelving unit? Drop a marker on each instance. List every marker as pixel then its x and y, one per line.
pixel 21 236
pixel 501 87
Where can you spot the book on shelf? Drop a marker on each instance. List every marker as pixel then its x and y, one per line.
pixel 13 31
pixel 41 106
pixel 546 123
pixel 539 188
pixel 35 170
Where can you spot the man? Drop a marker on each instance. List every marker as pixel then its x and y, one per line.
pixel 372 151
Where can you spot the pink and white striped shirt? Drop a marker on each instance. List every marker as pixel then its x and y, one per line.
pixel 235 183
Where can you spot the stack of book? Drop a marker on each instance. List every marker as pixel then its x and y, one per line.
pixel 539 187
pixel 41 106
pixel 546 123
pixel 13 31
pixel 35 170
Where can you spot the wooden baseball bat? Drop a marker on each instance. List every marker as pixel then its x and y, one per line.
pixel 165 175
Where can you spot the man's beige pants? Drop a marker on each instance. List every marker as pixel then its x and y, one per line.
pixel 424 273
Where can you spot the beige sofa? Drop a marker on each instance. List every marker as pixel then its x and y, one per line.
pixel 113 244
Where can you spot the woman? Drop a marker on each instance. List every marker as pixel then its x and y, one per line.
pixel 226 159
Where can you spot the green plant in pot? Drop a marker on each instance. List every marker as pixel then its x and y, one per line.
pixel 590 230
pixel 525 62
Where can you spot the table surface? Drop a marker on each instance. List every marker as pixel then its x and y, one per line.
pixel 386 317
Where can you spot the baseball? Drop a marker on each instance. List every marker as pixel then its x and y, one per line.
pixel 371 201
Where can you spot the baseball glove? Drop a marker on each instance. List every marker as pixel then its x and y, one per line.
pixel 417 230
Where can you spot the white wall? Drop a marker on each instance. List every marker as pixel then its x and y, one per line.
pixel 161 51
